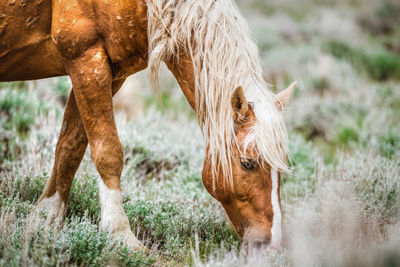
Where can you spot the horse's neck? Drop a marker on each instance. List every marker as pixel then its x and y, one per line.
pixel 182 69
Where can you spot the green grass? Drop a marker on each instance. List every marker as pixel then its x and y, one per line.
pixel 78 243
pixel 18 111
pixel 84 198
pixel 340 203
pixel 302 160
pixel 63 88
pixel 177 238
pixel 389 144
pixel 378 65
pixel 378 190
pixel 383 19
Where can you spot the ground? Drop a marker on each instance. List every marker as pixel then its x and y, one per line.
pixel 341 202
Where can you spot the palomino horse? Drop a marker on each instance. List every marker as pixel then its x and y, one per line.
pixel 206 45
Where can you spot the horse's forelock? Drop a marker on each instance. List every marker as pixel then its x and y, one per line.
pixel 268 136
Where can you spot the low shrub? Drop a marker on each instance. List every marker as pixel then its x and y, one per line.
pixel 81 243
pixel 378 65
pixel 29 241
pixel 346 135
pixel 384 18
pixel 18 111
pixel 25 189
pixel 302 160
pixel 84 198
pixel 63 88
pixel 31 188
pixel 389 144
pixel 173 226
pixel 377 186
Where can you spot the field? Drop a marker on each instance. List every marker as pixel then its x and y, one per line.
pixel 341 203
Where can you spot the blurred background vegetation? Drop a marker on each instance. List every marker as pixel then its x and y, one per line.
pixel 341 204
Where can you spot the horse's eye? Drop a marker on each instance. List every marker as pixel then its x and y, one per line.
pixel 248 164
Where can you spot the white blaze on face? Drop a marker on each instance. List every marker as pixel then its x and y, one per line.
pixel 276 231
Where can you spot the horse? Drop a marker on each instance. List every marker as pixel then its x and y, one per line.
pixel 207 46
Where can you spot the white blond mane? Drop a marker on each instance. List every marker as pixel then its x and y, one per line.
pixel 224 57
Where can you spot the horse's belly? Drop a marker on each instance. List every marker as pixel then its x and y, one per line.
pixel 32 62
pixel 26 49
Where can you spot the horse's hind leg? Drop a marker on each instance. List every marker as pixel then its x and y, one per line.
pixel 71 146
pixel 91 79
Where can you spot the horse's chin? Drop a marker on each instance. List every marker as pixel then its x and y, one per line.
pixel 252 251
pixel 275 248
pixel 257 248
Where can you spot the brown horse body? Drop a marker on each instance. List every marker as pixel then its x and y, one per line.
pixel 99 43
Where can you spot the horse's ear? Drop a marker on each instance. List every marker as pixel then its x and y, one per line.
pixel 282 99
pixel 239 105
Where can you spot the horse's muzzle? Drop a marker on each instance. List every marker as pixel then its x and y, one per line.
pixel 256 245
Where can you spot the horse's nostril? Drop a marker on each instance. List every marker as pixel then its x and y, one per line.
pixel 256 244
pixel 260 243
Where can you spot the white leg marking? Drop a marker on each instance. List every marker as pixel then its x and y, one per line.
pixel 113 217
pixel 54 206
pixel 276 230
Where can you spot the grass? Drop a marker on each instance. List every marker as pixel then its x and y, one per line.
pixel 78 243
pixel 389 144
pixel 177 238
pixel 378 65
pixel 340 204
pixel 383 19
pixel 84 198
pixel 378 191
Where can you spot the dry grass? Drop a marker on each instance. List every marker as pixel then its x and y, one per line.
pixel 341 206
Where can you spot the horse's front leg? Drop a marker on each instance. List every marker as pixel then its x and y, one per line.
pixel 92 84
pixel 71 147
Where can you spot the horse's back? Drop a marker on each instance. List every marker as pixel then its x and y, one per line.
pixel 26 49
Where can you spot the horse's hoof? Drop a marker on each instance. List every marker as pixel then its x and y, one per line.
pixel 129 239
pixel 136 245
pixel 54 207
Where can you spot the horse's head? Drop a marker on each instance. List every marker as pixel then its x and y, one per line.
pixel 252 201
